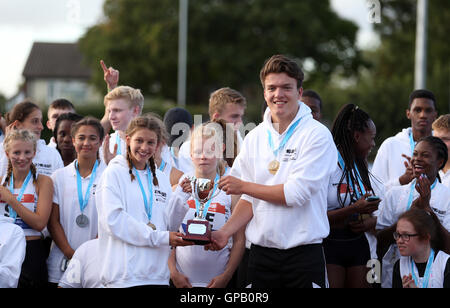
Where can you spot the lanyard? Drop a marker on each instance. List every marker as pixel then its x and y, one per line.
pixel 148 207
pixel 84 201
pixel 426 276
pixel 412 144
pixel 163 165
pixel 13 213
pixel 119 144
pixel 358 177
pixel 197 203
pixel 285 139
pixel 411 193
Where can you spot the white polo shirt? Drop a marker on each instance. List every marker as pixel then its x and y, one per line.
pixel 66 196
pixel 307 161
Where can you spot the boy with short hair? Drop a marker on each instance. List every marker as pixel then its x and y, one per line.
pixel 285 164
pixel 391 164
pixel 57 108
pixel 122 105
pixel 224 104
pixel 441 128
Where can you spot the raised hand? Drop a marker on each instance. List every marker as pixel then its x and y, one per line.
pixel 110 75
pixel 107 155
pixel 408 176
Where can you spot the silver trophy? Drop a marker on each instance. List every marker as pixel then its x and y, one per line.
pixel 198 230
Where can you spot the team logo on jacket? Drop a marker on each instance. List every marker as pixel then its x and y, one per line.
pixel 290 154
pixel 160 196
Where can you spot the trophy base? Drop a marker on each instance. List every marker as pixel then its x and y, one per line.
pixel 200 232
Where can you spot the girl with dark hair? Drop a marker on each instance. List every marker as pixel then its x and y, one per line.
pixel 131 201
pixel 27 115
pixel 74 218
pixel 424 192
pixel 63 137
pixel 351 243
pixel 26 197
pixel 422 263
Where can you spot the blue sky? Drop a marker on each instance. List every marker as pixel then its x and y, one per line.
pixel 24 21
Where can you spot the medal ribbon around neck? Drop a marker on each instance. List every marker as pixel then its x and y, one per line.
pixel 84 201
pixel 412 143
pixel 411 192
pixel 13 213
pixel 197 203
pixel 163 165
pixel 358 176
pixel 148 207
pixel 426 277
pixel 288 135
pixel 119 144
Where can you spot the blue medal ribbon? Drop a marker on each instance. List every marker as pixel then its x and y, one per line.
pixel 411 192
pixel 163 165
pixel 13 213
pixel 119 144
pixel 285 139
pixel 197 203
pixel 427 274
pixel 361 189
pixel 84 201
pixel 412 143
pixel 148 205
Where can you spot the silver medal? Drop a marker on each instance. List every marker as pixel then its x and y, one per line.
pixel 82 221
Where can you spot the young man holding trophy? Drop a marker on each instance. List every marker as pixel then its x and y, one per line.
pixel 285 164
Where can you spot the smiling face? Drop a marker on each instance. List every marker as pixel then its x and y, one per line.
pixel 142 145
pixel 21 154
pixel 425 160
pixel 282 96
pixel 365 141
pixel 121 114
pixel 87 142
pixel 33 122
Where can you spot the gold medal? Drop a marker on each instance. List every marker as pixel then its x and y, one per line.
pixel 151 225
pixel 274 166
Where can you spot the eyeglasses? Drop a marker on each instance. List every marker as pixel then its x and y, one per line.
pixel 405 237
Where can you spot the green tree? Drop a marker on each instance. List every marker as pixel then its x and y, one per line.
pixel 385 88
pixel 228 43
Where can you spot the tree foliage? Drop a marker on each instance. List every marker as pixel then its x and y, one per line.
pixel 228 43
pixel 384 89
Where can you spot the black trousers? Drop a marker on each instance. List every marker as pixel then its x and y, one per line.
pixel 34 268
pixel 298 267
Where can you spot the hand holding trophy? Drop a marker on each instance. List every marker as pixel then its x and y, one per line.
pixel 198 230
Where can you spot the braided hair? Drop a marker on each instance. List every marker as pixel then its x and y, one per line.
pixel 440 149
pixel 349 120
pixel 22 135
pixel 152 124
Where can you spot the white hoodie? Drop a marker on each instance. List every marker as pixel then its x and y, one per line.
pixel 389 163
pixel 12 252
pixel 132 253
pixel 306 164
